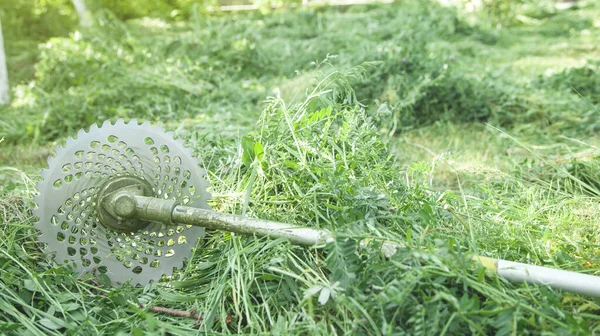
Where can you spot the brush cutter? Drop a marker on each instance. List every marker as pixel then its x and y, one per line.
pixel 130 201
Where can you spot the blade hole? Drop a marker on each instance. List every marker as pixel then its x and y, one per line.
pixel 71 251
pixel 57 184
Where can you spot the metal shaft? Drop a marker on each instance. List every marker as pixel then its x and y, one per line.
pixel 573 282
pixel 168 212
pixel 126 204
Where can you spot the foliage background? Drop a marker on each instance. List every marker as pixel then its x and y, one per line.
pixel 453 131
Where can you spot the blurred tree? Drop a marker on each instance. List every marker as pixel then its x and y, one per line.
pixel 85 19
pixel 37 19
pixel 4 97
pixel 171 10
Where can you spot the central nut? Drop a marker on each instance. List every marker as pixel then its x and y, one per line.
pixel 124 205
pixel 117 203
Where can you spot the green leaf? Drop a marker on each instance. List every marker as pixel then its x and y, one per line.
pixel 30 285
pixel 247 151
pixel 312 291
pixel 137 332
pixel 324 296
pixel 49 324
pixel 70 306
pixel 78 316
pixel 104 280
pixel 175 297
pixel 269 277
pixel 259 151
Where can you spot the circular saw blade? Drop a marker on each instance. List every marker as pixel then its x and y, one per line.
pixel 67 199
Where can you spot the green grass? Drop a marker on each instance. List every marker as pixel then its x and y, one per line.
pixel 401 123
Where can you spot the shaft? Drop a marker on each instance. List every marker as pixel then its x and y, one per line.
pixel 168 212
pixel 573 282
pixel 126 205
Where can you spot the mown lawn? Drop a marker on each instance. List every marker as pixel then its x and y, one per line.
pixel 413 123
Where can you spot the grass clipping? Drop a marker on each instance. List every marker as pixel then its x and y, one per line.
pixel 316 163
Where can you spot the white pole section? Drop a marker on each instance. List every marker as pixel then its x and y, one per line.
pixel 4 96
pixel 85 19
pixel 573 282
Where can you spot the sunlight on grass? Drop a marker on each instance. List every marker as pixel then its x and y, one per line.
pixel 451 134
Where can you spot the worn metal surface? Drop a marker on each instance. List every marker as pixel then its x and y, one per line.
pixel 67 204
pixel 113 200
pixel 169 212
pixel 249 226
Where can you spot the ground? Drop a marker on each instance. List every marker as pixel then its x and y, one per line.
pixel 449 133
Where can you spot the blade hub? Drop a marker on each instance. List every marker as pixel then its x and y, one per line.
pixel 116 205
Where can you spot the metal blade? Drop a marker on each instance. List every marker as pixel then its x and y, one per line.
pixel 68 218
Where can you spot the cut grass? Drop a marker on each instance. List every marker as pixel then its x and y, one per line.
pixel 446 191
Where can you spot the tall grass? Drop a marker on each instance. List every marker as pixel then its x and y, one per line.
pixel 398 123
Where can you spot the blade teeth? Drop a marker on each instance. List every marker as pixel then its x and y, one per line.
pixel 59 151
pixel 155 129
pixel 93 128
pixel 37 199
pixel 48 237
pixel 42 236
pixel 70 141
pixel 51 160
pixel 44 173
